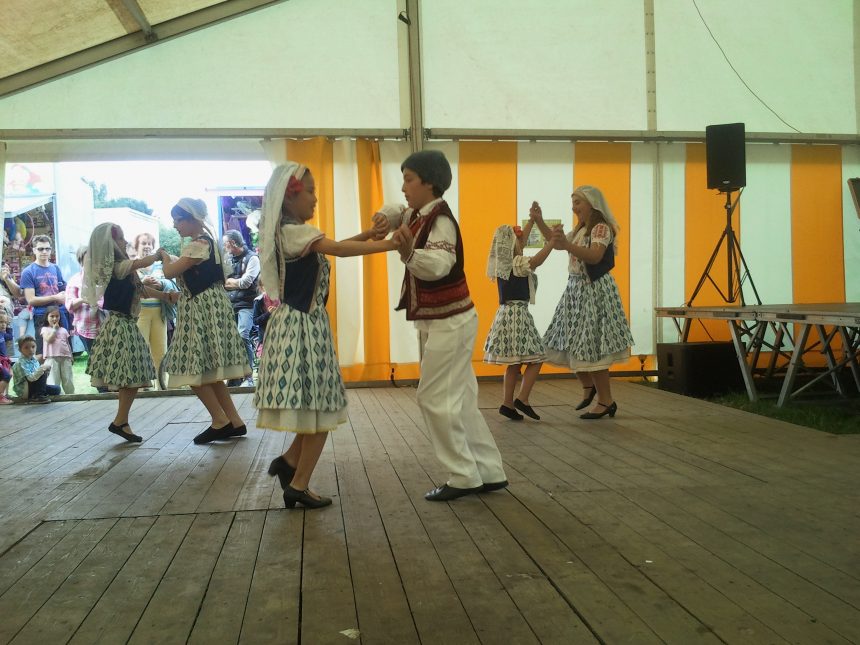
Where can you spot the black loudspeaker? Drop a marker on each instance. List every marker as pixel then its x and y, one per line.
pixel 698 369
pixel 726 154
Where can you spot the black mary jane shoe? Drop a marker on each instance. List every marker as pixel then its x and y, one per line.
pixel 446 493
pixel 238 431
pixel 526 409
pixel 128 436
pixel 213 434
pixel 607 409
pixel 512 414
pixel 303 497
pixel 587 400
pixel 489 488
pixel 283 470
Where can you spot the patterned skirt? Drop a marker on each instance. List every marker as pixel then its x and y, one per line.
pixel 589 330
pixel 299 386
pixel 513 337
pixel 206 345
pixel 120 357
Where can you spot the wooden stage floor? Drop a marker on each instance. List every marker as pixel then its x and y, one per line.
pixel 678 521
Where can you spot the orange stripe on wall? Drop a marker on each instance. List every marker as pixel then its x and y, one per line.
pixel 488 198
pixel 817 255
pixel 704 222
pixel 607 166
pixel 318 155
pixel 377 351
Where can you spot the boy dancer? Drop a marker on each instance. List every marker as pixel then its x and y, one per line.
pixel 436 297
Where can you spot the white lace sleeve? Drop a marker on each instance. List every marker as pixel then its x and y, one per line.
pixel 297 238
pixel 521 266
pixel 197 249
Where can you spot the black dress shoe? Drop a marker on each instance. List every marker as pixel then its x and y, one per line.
pixel 283 470
pixel 446 493
pixel 526 409
pixel 489 488
pixel 128 436
pixel 238 431
pixel 212 434
pixel 303 497
pixel 607 409
pixel 512 414
pixel 587 400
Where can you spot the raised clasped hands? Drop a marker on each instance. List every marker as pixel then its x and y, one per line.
pixel 380 226
pixel 535 213
pixel 558 239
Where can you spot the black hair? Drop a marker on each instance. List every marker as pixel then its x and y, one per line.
pixel 432 167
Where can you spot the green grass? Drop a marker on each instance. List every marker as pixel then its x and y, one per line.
pixel 831 413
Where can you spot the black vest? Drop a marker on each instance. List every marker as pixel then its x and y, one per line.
pixel 202 276
pixel 242 298
pixel 300 279
pixel 514 288
pixel 119 295
pixel 601 268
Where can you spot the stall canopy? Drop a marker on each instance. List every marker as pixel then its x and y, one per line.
pixel 14 206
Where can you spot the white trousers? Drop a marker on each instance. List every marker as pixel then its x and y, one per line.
pixel 448 398
pixel 61 373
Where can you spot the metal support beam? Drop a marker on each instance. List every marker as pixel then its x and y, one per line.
pixel 140 18
pixel 199 133
pixel 411 18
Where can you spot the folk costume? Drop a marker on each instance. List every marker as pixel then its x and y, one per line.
pixel 589 330
pixel 436 297
pixel 120 357
pixel 205 348
pixel 513 338
pixel 300 387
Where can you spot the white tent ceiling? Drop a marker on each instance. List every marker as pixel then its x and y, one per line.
pixel 44 39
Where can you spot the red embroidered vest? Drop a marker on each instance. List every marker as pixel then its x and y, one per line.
pixel 430 299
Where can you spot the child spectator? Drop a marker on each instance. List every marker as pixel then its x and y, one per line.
pixel 5 364
pixel 57 350
pixel 31 376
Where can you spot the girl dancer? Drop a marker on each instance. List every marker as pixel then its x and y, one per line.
pixel 513 339
pixel 205 350
pixel 300 387
pixel 120 358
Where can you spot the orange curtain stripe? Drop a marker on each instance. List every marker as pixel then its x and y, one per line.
pixel 318 155
pixel 488 198
pixel 704 222
pixel 377 348
pixel 607 166
pixel 817 255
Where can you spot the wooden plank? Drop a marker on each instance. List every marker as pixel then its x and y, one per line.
pixel 24 598
pixel 69 605
pixel 171 611
pixel 18 559
pixel 272 613
pixel 117 612
pixel 224 491
pixel 223 609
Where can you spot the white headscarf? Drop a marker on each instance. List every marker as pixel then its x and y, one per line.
pixel 197 209
pixel 98 264
pixel 270 223
pixel 500 262
pixel 598 203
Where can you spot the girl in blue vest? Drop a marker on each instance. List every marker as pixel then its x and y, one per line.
pixel 514 340
pixel 120 358
pixel 589 330
pixel 300 388
pixel 206 349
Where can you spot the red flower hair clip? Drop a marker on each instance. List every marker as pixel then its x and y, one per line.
pixel 294 186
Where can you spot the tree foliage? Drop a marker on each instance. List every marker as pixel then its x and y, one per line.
pixel 101 200
pixel 169 239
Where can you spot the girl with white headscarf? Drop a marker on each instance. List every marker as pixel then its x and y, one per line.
pixel 120 358
pixel 589 330
pixel 514 340
pixel 300 388
pixel 206 349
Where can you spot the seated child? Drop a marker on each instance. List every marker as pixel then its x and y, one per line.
pixel 57 350
pixel 5 363
pixel 31 377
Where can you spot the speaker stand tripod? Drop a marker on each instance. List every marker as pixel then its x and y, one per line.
pixel 735 261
